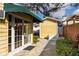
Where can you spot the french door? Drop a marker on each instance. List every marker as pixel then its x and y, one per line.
pixel 17 33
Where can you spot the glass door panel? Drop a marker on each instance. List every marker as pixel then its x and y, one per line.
pixel 18 32
pixel 26 33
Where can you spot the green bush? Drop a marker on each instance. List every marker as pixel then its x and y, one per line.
pixel 64 47
pixel 35 39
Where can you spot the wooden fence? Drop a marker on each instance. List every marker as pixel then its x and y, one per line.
pixel 71 29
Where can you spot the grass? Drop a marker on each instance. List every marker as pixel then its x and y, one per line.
pixel 35 38
pixel 64 47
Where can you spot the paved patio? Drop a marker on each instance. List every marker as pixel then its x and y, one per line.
pixel 42 48
pixel 33 50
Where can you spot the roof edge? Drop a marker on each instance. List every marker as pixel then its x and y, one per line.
pixel 51 19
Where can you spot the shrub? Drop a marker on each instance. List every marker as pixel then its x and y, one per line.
pixel 64 47
pixel 35 39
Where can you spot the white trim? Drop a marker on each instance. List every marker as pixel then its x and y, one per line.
pixel 76 21
pixel 51 18
pixel 23 33
pixel 70 22
pixel 12 35
pixel 22 40
pixel 19 49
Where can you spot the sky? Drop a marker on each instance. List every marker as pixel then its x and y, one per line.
pixel 70 10
pixel 67 11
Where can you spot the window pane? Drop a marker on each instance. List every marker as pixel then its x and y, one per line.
pixel 16 44
pixel 9 40
pixel 16 38
pixel 9 47
pixel 25 39
pixel 9 32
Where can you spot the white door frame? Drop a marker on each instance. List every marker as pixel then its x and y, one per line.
pixel 22 33
pixel 12 35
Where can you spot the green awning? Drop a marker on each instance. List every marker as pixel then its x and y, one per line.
pixel 9 7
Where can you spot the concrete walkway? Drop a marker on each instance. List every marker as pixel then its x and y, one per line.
pixel 50 49
pixel 33 50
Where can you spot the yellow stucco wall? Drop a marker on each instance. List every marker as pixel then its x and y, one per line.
pixel 48 27
pixel 3 37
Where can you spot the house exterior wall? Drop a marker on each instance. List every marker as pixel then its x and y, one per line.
pixel 48 27
pixel 3 37
pixel 3 34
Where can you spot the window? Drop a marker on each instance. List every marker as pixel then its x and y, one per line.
pixel 19 29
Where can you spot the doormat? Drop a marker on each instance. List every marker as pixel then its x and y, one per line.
pixel 29 48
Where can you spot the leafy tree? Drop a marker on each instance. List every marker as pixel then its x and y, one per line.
pixel 45 8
